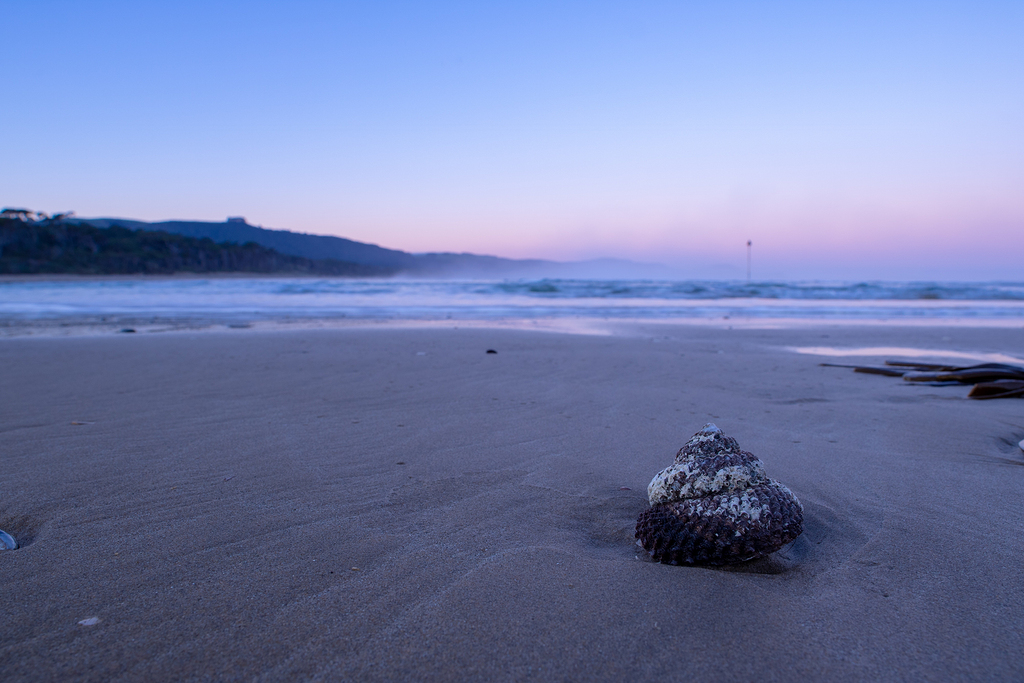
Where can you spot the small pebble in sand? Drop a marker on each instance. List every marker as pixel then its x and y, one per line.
pixel 7 541
pixel 491 351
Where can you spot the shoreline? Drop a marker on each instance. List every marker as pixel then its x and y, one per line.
pixel 89 326
pixel 98 305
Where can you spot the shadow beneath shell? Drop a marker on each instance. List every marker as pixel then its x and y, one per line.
pixel 784 560
pixel 829 538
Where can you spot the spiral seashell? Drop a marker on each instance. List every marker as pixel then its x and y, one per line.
pixel 715 505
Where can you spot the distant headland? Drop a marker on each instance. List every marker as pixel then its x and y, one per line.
pixel 35 242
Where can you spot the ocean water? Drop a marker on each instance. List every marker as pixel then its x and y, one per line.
pixel 27 301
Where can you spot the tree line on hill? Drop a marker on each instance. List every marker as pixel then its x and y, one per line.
pixel 57 245
pixel 236 246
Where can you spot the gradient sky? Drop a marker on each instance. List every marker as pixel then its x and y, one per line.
pixel 848 140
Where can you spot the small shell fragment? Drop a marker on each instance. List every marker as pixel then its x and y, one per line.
pixel 7 542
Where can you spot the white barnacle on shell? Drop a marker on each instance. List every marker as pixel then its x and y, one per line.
pixel 709 432
pixel 685 480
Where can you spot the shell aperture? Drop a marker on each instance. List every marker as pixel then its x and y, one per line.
pixel 715 505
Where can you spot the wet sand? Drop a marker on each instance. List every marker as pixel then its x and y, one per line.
pixel 384 504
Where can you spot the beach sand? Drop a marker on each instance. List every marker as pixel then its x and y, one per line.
pixel 386 504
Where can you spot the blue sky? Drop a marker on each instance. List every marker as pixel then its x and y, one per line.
pixel 847 140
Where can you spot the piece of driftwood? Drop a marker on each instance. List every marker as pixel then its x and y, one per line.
pixel 987 372
pixel 990 380
pixel 1003 388
pixel 867 369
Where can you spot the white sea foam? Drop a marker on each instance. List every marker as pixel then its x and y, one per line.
pixel 904 352
pixel 327 298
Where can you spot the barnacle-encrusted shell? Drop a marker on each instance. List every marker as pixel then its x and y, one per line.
pixel 716 505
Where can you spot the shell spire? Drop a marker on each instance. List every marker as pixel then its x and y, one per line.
pixel 715 505
pixel 709 440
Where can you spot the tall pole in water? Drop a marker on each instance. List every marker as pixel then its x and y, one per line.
pixel 748 260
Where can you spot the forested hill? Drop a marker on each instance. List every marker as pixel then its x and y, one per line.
pixel 283 241
pixel 79 248
pixel 415 265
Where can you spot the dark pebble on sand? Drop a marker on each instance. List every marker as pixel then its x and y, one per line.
pixel 491 351
pixel 128 330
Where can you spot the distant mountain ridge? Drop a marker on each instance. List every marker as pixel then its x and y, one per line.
pixel 444 264
pixel 283 241
pixel 61 246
